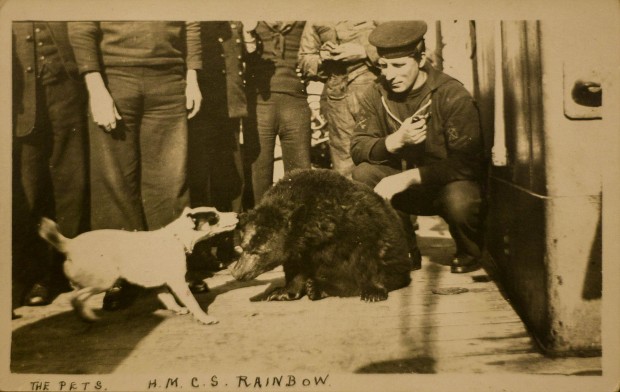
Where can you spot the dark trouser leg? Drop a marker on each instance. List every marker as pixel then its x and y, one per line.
pixel 215 174
pixel 214 159
pixel 199 152
pixel 163 146
pixel 225 166
pixel 294 130
pixel 458 203
pixel 141 172
pixel 340 115
pixel 370 175
pixel 238 159
pixel 68 164
pixel 262 166
pixel 115 171
pixel 338 127
pixel 116 202
pixel 32 257
pixel 228 186
pixel 50 180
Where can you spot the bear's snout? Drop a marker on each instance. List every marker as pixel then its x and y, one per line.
pixel 245 268
pixel 250 265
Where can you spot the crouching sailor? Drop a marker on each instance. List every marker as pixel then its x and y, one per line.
pixel 418 141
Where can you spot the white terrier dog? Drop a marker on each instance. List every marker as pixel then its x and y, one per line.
pixel 96 259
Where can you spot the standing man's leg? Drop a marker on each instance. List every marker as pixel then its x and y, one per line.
pixel 198 162
pixel 337 117
pixel 68 165
pixel 238 159
pixel 53 169
pixel 116 202
pixel 295 132
pixel 225 176
pixel 226 180
pixel 266 127
pixel 31 200
pixel 66 105
pixel 115 170
pixel 340 115
pixel 163 146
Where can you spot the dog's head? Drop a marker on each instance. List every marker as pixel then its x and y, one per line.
pixel 198 224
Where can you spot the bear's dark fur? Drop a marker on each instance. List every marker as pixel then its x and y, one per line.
pixel 334 237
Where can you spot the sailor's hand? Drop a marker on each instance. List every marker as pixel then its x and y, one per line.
pixel 249 25
pixel 102 107
pixel 193 96
pixel 349 51
pixel 412 131
pixel 397 183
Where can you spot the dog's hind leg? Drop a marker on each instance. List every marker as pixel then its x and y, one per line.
pixel 181 291
pixel 166 298
pixel 80 304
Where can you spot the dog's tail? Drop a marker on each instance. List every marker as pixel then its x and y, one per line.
pixel 48 230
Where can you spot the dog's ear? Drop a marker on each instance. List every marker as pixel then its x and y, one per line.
pixel 244 218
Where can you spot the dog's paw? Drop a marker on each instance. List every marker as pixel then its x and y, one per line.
pixel 181 311
pixel 374 294
pixel 207 320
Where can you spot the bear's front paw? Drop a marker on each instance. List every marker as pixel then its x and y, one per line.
pixel 313 290
pixel 374 294
pixel 280 294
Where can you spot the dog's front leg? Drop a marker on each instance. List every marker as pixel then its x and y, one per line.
pixel 169 302
pixel 181 290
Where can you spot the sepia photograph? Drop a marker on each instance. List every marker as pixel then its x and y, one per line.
pixel 310 195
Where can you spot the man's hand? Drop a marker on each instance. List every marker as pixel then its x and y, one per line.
pixel 412 131
pixel 249 25
pixel 102 105
pixel 325 51
pixel 396 183
pixel 193 97
pixel 248 35
pixel 349 51
pixel 317 121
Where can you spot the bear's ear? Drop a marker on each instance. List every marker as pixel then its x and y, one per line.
pixel 269 216
pixel 299 216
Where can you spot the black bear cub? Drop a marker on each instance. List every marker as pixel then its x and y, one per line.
pixel 334 237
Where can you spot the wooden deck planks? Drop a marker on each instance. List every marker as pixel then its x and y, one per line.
pixel 415 331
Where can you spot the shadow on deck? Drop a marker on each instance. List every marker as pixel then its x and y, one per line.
pixel 441 323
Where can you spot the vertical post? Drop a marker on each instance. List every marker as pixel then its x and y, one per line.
pixel 499 153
